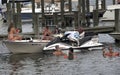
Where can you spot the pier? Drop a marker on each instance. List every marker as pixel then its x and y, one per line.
pixel 67 16
pixel 116 33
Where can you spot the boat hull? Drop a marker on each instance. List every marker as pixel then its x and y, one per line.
pixel 25 47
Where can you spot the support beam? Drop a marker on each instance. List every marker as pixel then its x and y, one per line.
pixel 13 12
pixel 75 19
pixel 87 11
pixel 35 20
pixel 9 13
pixel 95 14
pixel 43 17
pixel 114 2
pixel 95 20
pixel 117 20
pixel 19 25
pixel 33 12
pixel 55 19
pixel 36 25
pixel 83 13
pixel 103 5
pixel 70 6
pixel 52 1
pixel 62 12
pixel 79 13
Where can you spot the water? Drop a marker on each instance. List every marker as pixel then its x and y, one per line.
pixel 85 63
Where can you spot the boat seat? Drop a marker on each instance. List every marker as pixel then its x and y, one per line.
pixel 85 39
pixel 56 40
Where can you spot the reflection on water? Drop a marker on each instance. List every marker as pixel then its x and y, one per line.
pixel 24 64
pixel 19 64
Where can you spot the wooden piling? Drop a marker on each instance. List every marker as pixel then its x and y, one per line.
pixel 18 24
pixel 9 13
pixel 43 17
pixel 36 25
pixel 103 5
pixel 52 1
pixel 70 6
pixel 35 20
pixel 15 19
pixel 75 19
pixel 117 20
pixel 33 13
pixel 62 12
pixel 83 13
pixel 113 1
pixel 55 19
pixel 95 15
pixel 79 13
pixel 13 12
pixel 87 11
pixel 95 20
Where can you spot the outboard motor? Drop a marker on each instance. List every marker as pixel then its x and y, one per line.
pixel 73 36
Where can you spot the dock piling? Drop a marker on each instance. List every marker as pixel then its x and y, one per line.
pixel 117 20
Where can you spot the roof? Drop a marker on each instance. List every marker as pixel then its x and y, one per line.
pixel 112 7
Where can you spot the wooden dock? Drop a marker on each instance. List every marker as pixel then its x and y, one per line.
pixel 102 29
pixel 75 17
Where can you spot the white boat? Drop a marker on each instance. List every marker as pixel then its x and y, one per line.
pixel 109 14
pixel 25 46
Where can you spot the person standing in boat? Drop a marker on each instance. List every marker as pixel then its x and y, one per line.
pixel 47 34
pixel 12 33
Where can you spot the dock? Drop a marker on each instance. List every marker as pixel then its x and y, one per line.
pixel 101 29
pixel 67 15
